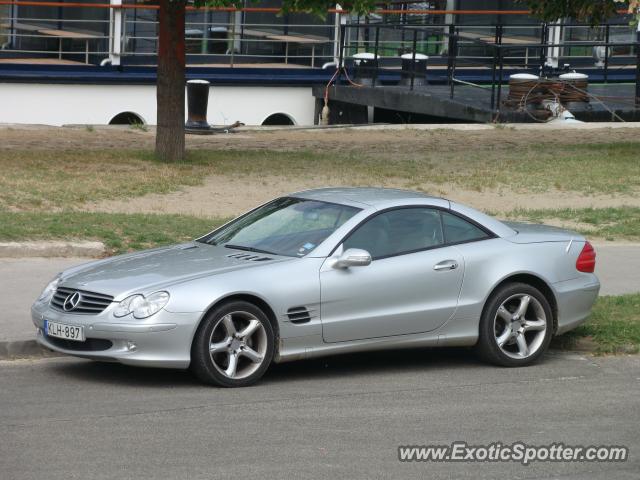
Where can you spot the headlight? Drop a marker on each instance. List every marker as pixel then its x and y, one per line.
pixel 140 306
pixel 48 291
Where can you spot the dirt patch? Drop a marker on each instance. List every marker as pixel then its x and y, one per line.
pixel 228 196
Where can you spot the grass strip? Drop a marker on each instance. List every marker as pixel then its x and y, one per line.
pixel 119 232
pixel 614 327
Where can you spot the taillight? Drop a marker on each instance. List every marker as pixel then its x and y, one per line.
pixel 587 259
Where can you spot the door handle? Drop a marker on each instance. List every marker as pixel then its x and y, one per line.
pixel 446 265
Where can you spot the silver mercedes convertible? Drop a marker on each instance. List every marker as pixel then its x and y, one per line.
pixel 323 272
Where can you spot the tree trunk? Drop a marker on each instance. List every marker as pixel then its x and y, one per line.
pixel 171 81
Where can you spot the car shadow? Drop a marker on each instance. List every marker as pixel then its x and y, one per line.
pixel 380 362
pixel 125 375
pixel 326 368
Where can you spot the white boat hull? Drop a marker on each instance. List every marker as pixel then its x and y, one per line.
pixel 61 104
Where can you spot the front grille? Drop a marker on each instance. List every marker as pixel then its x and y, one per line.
pixel 89 345
pixel 90 303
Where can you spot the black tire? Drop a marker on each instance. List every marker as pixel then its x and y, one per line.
pixel 202 362
pixel 488 348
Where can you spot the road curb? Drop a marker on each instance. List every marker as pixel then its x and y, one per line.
pixel 23 349
pixel 50 249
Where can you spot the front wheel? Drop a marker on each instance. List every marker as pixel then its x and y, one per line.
pixel 233 346
pixel 516 326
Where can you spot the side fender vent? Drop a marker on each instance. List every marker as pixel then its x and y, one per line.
pixel 299 315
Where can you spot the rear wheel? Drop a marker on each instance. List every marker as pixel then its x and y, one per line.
pixel 516 326
pixel 233 346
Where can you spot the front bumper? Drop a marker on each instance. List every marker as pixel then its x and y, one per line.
pixel 162 340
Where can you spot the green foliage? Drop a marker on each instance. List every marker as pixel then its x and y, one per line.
pixel 590 11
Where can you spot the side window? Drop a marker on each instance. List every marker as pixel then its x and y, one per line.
pixel 458 230
pixel 398 231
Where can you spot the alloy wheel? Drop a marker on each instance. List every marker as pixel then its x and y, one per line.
pixel 520 325
pixel 238 344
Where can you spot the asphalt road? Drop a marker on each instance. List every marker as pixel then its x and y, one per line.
pixel 617 267
pixel 21 281
pixel 341 417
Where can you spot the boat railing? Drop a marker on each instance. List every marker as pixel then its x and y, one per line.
pixel 127 35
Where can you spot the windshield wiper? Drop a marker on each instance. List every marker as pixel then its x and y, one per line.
pixel 248 249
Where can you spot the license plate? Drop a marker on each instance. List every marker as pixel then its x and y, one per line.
pixel 62 330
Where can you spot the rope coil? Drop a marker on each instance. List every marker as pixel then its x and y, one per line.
pixel 524 92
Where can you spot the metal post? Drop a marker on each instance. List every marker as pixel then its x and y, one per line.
pixel 13 14
pixel 365 34
pixel 204 44
pixel 375 60
pixel 454 44
pixel 243 20
pixel 638 67
pixel 496 48
pixel 376 43
pixel 413 57
pixel 450 53
pixel 493 76
pixel 501 65
pixel 403 22
pixel 543 41
pixel 233 41
pixel 115 31
pixel 606 54
pixel 123 35
pixel 553 51
pixel 343 28
pixel 134 46
pixel 336 32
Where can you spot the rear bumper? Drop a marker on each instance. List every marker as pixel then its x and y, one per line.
pixel 163 340
pixel 575 298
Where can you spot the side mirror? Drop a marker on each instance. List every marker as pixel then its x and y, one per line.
pixel 353 257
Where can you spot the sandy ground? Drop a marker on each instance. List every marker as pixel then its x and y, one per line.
pixel 226 195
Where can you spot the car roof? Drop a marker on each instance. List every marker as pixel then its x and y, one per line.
pixel 369 196
pixel 380 198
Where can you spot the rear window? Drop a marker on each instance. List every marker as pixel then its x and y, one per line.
pixel 458 230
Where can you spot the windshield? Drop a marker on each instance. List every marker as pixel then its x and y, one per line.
pixel 287 226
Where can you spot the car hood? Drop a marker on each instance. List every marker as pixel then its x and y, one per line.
pixel 151 270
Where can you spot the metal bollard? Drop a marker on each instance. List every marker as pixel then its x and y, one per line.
pixel 197 102
pixel 414 65
pixel 365 69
